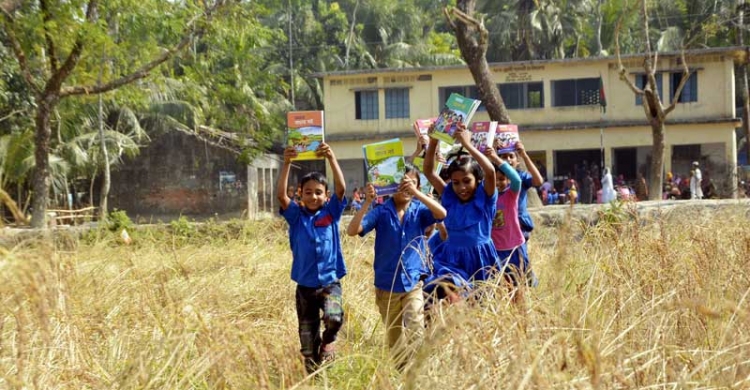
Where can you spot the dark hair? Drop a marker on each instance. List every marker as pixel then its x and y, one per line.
pixel 468 165
pixel 316 176
pixel 409 168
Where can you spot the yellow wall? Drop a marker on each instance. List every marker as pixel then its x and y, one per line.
pixel 715 101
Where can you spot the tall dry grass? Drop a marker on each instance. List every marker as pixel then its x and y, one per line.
pixel 627 303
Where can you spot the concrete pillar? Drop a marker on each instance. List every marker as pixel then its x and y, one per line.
pixel 667 159
pixel 252 192
pixel 731 155
pixel 607 159
pixel 550 163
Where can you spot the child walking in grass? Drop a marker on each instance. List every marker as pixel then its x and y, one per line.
pixel 317 265
pixel 506 228
pixel 529 178
pixel 469 198
pixel 400 249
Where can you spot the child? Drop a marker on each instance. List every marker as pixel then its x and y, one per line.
pixel 317 264
pixel 468 253
pixel 399 253
pixel 506 227
pixel 529 178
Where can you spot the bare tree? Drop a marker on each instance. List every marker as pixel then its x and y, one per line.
pixel 742 74
pixel 473 40
pixel 656 113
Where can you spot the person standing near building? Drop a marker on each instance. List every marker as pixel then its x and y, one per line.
pixel 696 192
pixel 608 190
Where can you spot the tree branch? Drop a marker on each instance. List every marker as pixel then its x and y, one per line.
pixel 621 68
pixel 145 69
pixel 51 52
pixel 449 19
pixel 683 81
pixel 8 24
pixel 55 82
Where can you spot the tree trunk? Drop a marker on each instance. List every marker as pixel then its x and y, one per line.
pixel 474 53
pixel 599 21
pixel 743 78
pixel 41 179
pixel 105 155
pixel 657 160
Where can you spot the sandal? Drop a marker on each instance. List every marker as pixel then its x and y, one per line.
pixel 327 353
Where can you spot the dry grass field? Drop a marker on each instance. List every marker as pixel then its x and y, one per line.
pixel 624 304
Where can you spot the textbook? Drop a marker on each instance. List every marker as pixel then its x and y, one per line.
pixel 422 126
pixel 506 138
pixel 483 135
pixel 424 184
pixel 385 165
pixel 305 133
pixel 456 109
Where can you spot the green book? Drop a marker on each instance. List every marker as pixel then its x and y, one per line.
pixel 385 165
pixel 457 109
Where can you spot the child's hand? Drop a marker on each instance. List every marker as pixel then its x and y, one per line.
pixel 491 153
pixel 324 150
pixel 289 153
pixel 462 135
pixel 370 194
pixel 519 147
pixel 407 185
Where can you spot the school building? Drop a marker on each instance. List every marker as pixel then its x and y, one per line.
pixel 556 105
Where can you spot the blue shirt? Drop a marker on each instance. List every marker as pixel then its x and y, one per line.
pixel 527 224
pixel 399 245
pixel 315 242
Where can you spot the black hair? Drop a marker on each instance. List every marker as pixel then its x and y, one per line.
pixel 466 164
pixel 409 168
pixel 316 176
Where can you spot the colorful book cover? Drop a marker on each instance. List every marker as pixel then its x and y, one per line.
pixel 506 138
pixel 385 165
pixel 422 126
pixel 457 109
pixel 483 135
pixel 305 133
pixel 424 184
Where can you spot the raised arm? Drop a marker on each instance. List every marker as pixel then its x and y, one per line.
pixel 355 225
pixel 325 150
pixel 281 185
pixel 536 177
pixel 408 185
pixel 464 137
pixel 512 175
pixel 429 167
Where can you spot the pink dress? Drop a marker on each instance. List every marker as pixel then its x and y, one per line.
pixel 506 230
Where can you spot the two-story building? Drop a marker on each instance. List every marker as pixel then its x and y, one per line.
pixel 556 105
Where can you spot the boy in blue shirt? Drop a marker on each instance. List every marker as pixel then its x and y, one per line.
pixel 317 264
pixel 400 248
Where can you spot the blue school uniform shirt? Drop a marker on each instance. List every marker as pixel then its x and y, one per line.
pixel 316 244
pixel 527 224
pixel 399 245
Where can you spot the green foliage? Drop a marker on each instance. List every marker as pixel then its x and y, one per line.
pixel 182 227
pixel 118 220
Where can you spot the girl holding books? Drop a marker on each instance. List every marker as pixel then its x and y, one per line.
pixel 468 253
pixel 506 227
pixel 400 249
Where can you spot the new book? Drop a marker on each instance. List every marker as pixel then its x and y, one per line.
pixel 483 135
pixel 424 184
pixel 506 138
pixel 457 109
pixel 305 133
pixel 422 126
pixel 385 165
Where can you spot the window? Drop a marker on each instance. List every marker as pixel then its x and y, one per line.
pixel 469 91
pixel 689 92
pixel 522 95
pixel 575 92
pixel 397 103
pixel 641 80
pixel 366 105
